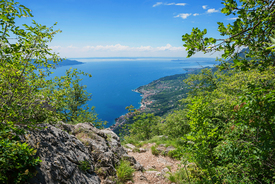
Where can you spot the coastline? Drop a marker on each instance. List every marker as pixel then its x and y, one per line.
pixel 122 119
pixel 144 103
pixel 160 96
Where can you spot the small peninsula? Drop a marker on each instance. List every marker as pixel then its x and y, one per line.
pixel 161 96
pixel 67 62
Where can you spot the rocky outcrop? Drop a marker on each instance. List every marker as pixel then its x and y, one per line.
pixel 165 150
pixel 77 154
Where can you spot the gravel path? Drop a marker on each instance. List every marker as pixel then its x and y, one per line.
pixel 156 167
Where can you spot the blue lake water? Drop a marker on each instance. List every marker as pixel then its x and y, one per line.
pixel 114 79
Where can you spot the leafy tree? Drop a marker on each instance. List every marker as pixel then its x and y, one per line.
pixel 230 113
pixel 26 97
pixel 17 160
pixel 176 124
pixel 143 126
pixel 21 100
pixel 225 128
pixel 272 39
pixel 252 29
pixel 69 99
pixel 22 103
pixel 205 81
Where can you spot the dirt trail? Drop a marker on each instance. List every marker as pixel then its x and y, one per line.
pixel 156 167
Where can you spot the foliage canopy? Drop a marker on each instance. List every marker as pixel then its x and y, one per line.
pixel 252 29
pixel 227 129
pixel 27 97
pixel 231 113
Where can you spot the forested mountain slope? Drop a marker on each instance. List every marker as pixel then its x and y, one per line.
pixel 161 97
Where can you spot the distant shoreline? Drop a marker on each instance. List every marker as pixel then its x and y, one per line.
pixel 68 62
pixel 146 94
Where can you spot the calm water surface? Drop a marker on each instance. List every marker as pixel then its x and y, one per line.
pixel 114 79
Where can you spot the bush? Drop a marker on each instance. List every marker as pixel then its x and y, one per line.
pixel 154 150
pixel 176 124
pixel 144 126
pixel 133 140
pixel 178 177
pixel 232 139
pixel 84 165
pixel 177 153
pixel 124 171
pixel 183 175
pixel 17 160
pixel 27 96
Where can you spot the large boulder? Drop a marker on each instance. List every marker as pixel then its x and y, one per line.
pixel 77 154
pixel 62 156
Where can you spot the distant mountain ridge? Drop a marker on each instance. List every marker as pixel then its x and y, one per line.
pixel 67 62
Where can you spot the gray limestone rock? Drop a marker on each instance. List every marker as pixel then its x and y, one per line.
pixel 169 148
pixel 131 146
pixel 142 150
pixel 62 155
pixel 142 177
pixel 164 172
pixel 163 136
pixel 64 149
pixel 133 162
pixel 162 145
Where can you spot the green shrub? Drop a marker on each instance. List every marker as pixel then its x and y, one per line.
pixel 178 177
pixel 17 160
pixel 232 136
pixel 136 150
pixel 143 126
pixel 124 171
pixel 84 165
pixel 163 153
pixel 130 139
pixel 109 137
pixel 177 153
pixel 154 150
pixel 176 124
pixel 156 139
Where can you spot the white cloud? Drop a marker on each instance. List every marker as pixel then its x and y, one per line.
pixel 235 18
pixel 144 48
pixel 204 7
pixel 169 47
pixel 196 14
pixel 72 47
pixel 183 15
pixel 118 50
pixel 157 4
pixel 55 47
pixel 119 47
pixel 180 4
pixel 213 10
pixel 116 47
pixel 166 47
pixel 169 4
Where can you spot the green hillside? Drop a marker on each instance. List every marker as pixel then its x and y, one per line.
pixel 161 97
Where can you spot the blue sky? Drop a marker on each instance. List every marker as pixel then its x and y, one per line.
pixel 125 28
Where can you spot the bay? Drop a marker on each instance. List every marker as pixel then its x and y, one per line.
pixel 113 79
